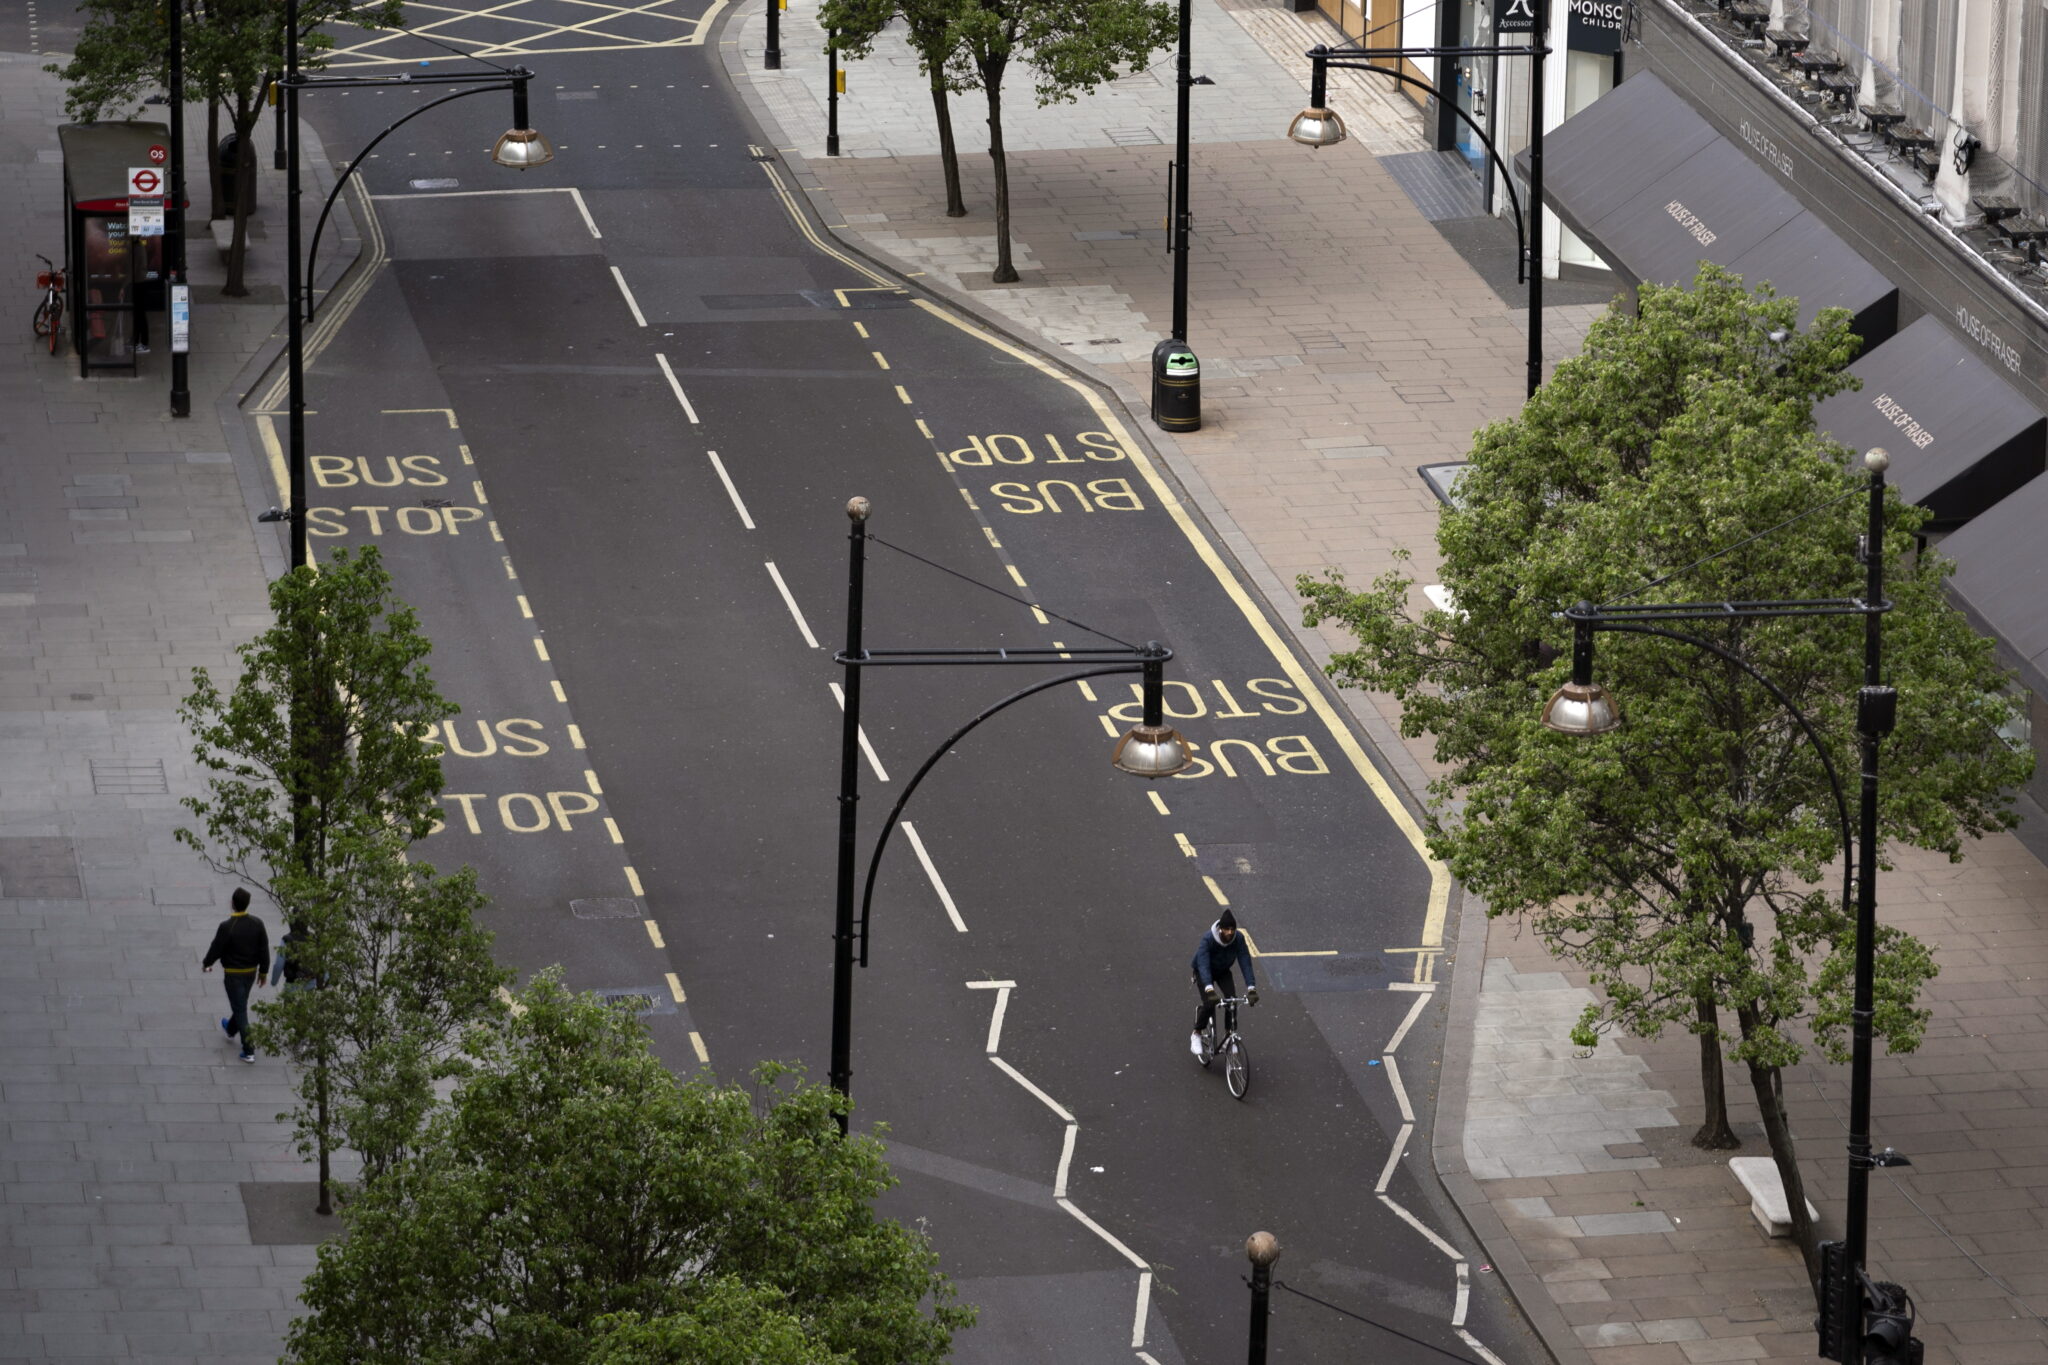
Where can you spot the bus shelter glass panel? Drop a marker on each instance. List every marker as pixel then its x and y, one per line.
pixel 107 320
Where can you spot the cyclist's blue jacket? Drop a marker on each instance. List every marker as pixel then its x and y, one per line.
pixel 1213 958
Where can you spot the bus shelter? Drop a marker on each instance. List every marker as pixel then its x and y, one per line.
pixel 112 279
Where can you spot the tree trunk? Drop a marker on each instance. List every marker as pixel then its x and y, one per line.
pixel 1764 1081
pixel 321 1121
pixel 245 196
pixel 1714 1135
pixel 991 79
pixel 949 155
pixel 213 209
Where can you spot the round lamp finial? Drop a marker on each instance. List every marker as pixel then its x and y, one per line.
pixel 858 508
pixel 1262 1248
pixel 1877 459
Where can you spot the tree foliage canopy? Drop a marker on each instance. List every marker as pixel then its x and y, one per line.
pixel 329 713
pixel 575 1202
pixel 1676 459
pixel 230 46
pixel 1071 46
pixel 392 968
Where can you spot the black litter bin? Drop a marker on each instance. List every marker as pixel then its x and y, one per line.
pixel 228 156
pixel 1176 387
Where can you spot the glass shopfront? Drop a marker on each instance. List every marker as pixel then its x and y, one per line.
pixel 1379 23
pixel 1472 82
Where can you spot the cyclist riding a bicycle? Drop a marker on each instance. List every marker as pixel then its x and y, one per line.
pixel 1220 949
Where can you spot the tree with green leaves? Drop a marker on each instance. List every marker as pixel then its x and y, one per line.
pixel 729 1323
pixel 1680 859
pixel 231 47
pixel 854 25
pixel 390 970
pixel 325 728
pixel 322 773
pixel 1071 46
pixel 573 1202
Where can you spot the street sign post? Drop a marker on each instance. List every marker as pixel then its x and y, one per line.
pixel 181 319
pixel 146 200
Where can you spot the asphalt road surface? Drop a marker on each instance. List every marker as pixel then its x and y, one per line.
pixel 603 419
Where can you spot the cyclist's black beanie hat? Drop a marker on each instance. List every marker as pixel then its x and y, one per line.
pixel 1227 921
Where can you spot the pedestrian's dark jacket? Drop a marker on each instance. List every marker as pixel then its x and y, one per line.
pixel 1213 958
pixel 241 944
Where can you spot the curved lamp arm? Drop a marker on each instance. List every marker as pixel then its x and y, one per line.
pixel 313 252
pixel 1507 178
pixel 1834 778
pixel 889 825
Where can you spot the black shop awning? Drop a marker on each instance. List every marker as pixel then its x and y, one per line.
pixel 1639 125
pixel 1655 190
pixel 1961 438
pixel 1805 258
pixel 2001 579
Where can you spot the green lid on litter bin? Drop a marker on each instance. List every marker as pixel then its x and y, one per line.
pixel 1183 363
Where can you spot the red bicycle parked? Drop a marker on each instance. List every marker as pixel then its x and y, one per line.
pixel 50 312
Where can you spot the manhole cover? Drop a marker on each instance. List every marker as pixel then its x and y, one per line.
pixel 605 907
pixel 739 301
pixel 127 779
pixel 39 868
pixel 1232 859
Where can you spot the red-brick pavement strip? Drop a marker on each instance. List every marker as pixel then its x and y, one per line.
pixel 1344 343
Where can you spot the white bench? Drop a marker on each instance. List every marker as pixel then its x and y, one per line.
pixel 1767 1202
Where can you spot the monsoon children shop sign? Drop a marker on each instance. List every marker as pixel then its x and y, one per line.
pixel 1596 25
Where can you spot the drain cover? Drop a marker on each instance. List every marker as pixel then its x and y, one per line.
pixel 606 907
pixel 128 779
pixel 639 1000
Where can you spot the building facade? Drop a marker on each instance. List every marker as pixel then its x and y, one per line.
pixel 1887 156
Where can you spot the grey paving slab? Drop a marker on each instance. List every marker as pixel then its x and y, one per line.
pixel 127 557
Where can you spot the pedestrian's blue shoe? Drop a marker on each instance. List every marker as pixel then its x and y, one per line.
pixel 227 1026
pixel 249 1057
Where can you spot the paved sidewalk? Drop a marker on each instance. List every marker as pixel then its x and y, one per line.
pixel 145 1189
pixel 1344 341
pixel 134 1141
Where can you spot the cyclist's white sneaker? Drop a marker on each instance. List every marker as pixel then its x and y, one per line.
pixel 1195 1043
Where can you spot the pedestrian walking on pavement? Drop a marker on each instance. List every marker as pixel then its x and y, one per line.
pixel 242 948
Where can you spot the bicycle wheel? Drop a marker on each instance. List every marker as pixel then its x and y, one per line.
pixel 49 322
pixel 1237 1068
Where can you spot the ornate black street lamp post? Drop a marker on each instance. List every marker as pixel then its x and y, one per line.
pixel 1150 749
pixel 1858 1316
